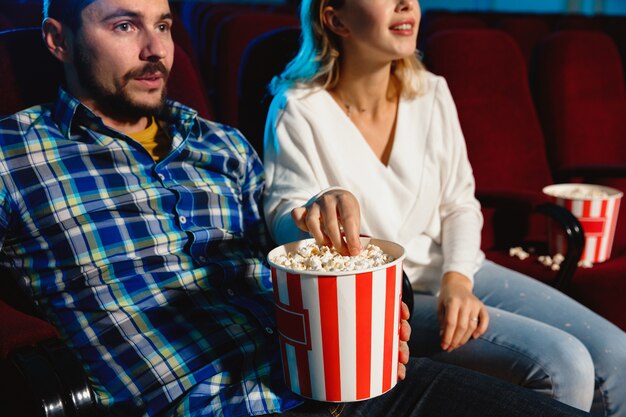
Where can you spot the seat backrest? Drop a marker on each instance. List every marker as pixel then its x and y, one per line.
pixel 205 34
pixel 27 78
pixel 579 22
pixel 22 14
pixel 446 21
pixel 182 38
pixel 581 98
pixel 33 78
pixel 186 85
pixel 487 76
pixel 5 23
pixel 266 56
pixel 233 35
pixel 526 30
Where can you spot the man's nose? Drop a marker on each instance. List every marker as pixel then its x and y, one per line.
pixel 154 48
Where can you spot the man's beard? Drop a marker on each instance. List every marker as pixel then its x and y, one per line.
pixel 117 104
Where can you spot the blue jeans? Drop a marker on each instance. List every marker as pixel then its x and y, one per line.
pixel 537 338
pixel 433 389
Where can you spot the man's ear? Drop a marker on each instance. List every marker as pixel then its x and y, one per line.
pixel 57 38
pixel 333 22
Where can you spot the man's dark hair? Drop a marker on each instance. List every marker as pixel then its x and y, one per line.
pixel 65 11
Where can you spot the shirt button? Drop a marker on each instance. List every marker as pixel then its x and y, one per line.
pixel 161 176
pixel 269 330
pixel 182 219
pixel 230 292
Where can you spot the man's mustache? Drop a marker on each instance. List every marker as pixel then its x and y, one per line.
pixel 150 68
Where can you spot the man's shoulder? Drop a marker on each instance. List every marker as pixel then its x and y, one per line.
pixel 221 137
pixel 18 126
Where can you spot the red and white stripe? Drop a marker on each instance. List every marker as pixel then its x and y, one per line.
pixel 339 335
pixel 598 219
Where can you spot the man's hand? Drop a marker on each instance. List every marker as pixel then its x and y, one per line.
pixel 327 216
pixel 405 335
pixel 461 314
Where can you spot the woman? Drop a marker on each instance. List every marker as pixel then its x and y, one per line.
pixel 355 110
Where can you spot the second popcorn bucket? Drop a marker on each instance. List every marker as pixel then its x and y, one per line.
pixel 338 331
pixel 596 207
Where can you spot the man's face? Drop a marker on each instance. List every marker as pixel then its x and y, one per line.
pixel 123 53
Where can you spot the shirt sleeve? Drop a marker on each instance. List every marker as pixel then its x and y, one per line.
pixel 5 198
pixel 291 181
pixel 251 180
pixel 459 210
pixel 5 212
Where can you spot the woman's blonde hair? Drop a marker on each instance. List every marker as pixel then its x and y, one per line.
pixel 317 60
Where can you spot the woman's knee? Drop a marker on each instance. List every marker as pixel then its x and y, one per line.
pixel 570 371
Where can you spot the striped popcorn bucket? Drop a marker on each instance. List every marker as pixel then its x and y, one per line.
pixel 338 331
pixel 596 207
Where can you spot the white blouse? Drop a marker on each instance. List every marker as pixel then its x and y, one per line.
pixel 423 198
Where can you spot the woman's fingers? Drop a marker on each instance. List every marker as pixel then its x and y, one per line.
pixel 350 217
pixel 308 219
pixel 460 323
pixel 329 218
pixel 449 317
pixel 483 322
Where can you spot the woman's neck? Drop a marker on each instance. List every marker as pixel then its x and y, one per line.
pixel 365 88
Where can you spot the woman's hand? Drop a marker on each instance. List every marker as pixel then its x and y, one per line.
pixel 405 335
pixel 461 314
pixel 331 216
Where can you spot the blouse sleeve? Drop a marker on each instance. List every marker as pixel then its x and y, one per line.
pixel 459 210
pixel 289 152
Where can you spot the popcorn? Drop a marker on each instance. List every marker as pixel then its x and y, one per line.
pixel 313 257
pixel 581 193
pixel 518 252
pixel 552 262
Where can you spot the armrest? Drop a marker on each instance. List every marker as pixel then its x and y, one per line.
pixel 53 379
pixel 78 394
pixel 575 242
pixel 19 329
pixel 593 172
pixel 35 387
pixel 498 198
pixel 537 202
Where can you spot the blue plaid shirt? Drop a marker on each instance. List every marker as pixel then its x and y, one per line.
pixel 153 272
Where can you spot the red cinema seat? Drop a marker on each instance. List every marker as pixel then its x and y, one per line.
pixel 581 97
pixel 446 21
pixel 5 23
pixel 487 76
pixel 232 36
pixel 265 57
pixel 526 30
pixel 581 100
pixel 22 14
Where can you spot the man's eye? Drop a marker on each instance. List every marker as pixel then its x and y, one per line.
pixel 164 28
pixel 124 27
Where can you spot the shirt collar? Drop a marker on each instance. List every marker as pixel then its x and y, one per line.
pixel 68 110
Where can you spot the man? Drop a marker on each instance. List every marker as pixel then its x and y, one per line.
pixel 135 227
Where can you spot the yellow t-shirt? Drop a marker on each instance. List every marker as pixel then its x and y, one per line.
pixel 154 139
